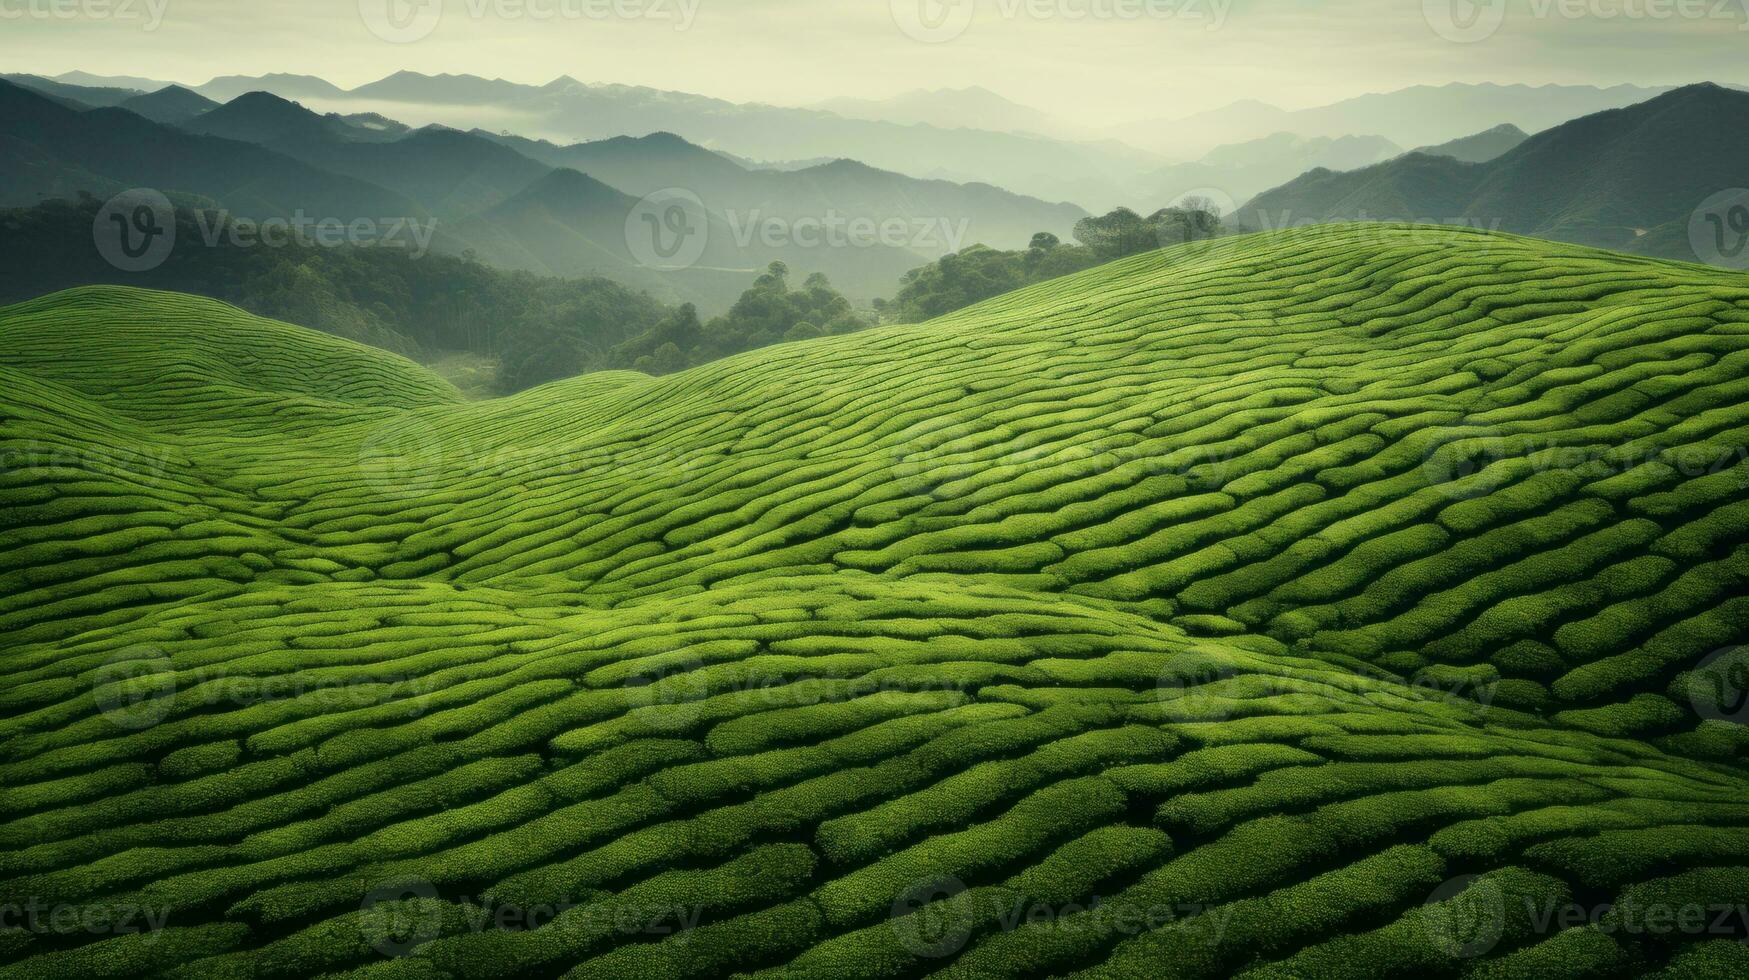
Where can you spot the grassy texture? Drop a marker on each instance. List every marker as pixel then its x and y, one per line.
pixel 1319 604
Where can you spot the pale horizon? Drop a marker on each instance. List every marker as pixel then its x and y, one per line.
pixel 1096 70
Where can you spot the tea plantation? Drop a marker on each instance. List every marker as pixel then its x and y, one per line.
pixel 1360 601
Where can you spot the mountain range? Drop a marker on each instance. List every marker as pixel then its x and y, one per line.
pixel 959 135
pixel 1627 179
pixel 513 202
pixel 1416 116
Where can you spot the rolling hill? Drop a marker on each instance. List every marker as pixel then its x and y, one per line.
pixel 1319 604
pixel 1628 179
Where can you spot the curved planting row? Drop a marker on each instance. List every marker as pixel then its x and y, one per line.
pixel 1347 602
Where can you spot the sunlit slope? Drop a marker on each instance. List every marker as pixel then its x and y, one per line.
pixel 1181 583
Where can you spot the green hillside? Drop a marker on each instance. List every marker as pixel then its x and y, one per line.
pixel 1627 179
pixel 1335 603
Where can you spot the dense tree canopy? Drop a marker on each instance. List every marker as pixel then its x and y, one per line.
pixel 978 273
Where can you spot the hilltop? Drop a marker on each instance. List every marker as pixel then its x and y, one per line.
pixel 1339 596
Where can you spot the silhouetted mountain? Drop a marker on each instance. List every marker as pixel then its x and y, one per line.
pixel 1481 147
pixel 89 80
pixel 173 104
pixel 1617 179
pixel 50 150
pixel 642 165
pixel 411 86
pixel 268 119
pixel 1090 174
pixel 76 96
pixel 450 173
pixel 228 87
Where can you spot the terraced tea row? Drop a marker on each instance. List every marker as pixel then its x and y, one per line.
pixel 1230 608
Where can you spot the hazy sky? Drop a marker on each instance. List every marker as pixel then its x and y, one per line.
pixel 1095 61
